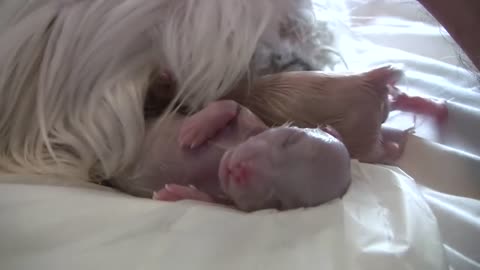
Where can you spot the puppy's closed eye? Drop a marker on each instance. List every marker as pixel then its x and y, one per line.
pixel 293 139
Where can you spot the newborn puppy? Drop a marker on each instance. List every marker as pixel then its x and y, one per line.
pixel 286 168
pixel 225 154
pixel 355 105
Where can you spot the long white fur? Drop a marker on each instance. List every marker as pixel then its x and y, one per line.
pixel 74 73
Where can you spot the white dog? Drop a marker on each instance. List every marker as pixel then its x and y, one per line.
pixel 74 73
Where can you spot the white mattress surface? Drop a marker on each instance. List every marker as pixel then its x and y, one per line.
pixel 443 159
pixel 385 221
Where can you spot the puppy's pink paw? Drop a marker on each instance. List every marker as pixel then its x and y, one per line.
pixel 194 133
pixel 173 193
pixel 202 126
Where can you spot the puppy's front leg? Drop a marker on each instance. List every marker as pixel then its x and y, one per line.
pixel 205 124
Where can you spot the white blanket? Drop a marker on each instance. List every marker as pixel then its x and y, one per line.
pixel 444 160
pixel 383 222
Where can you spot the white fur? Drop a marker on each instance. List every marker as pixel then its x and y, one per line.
pixel 74 73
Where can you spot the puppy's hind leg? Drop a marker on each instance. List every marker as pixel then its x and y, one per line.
pixel 173 193
pixel 418 105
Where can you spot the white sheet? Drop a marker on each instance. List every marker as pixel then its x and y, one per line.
pixel 448 173
pixel 382 222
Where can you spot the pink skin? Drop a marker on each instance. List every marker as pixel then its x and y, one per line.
pixel 205 124
pixel 285 168
pixel 261 173
pixel 392 141
pixel 193 133
pixel 280 168
pixel 174 192
pixel 254 173
pixel 420 105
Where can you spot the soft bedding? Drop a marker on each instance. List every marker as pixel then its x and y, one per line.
pixel 443 160
pixel 387 220
pixel 378 224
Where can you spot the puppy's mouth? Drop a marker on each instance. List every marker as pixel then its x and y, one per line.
pixel 332 131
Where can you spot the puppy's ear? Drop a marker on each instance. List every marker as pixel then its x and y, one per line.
pixel 383 76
